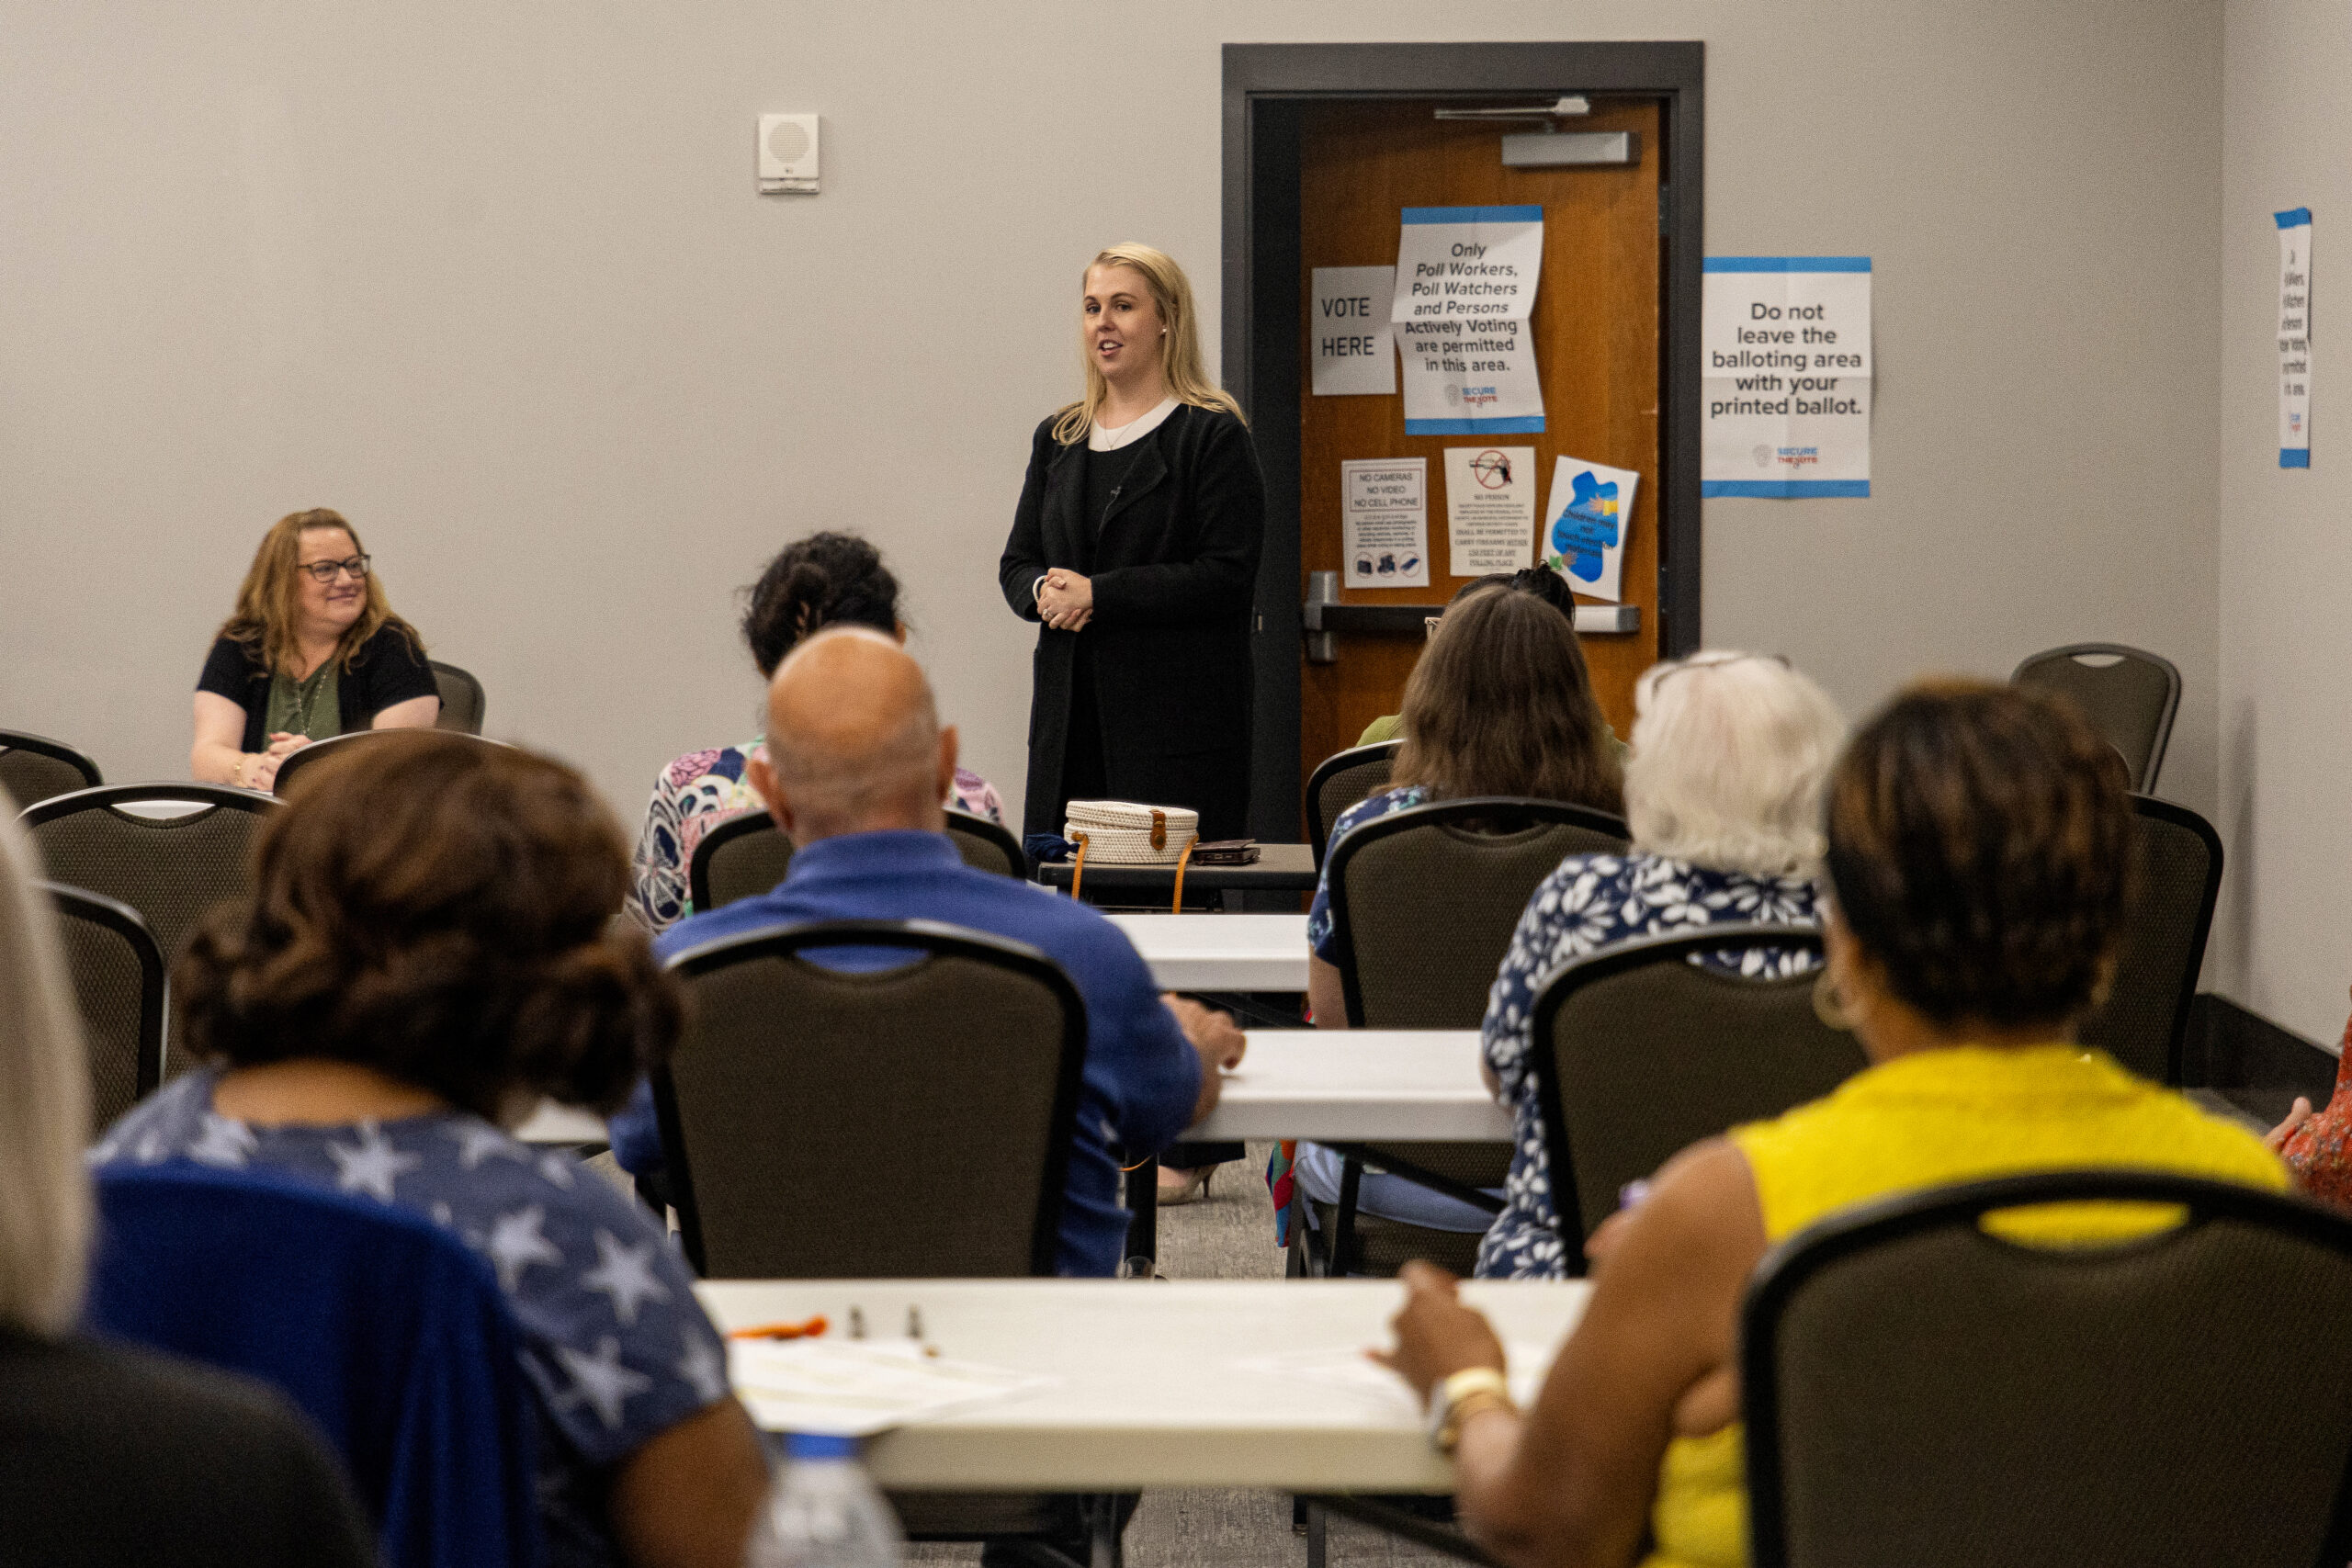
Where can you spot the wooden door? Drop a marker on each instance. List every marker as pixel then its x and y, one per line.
pixel 1595 328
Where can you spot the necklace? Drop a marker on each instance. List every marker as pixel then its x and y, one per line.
pixel 306 695
pixel 1143 425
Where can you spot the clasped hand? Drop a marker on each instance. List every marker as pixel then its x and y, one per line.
pixel 1065 600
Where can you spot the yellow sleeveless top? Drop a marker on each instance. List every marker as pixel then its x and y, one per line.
pixel 1929 1119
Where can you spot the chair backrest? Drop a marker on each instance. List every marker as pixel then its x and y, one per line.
pixel 1640 1052
pixel 871 1122
pixel 172 869
pixel 1919 1391
pixel 1424 901
pixel 297 763
pixel 2145 1016
pixel 1338 781
pixel 742 858
pixel 988 846
pixel 117 967
pixel 2128 694
pixel 34 767
pixel 388 1332
pixel 463 702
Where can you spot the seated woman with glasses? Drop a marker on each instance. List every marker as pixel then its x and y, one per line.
pixel 1979 850
pixel 375 1015
pixel 312 652
pixel 1723 796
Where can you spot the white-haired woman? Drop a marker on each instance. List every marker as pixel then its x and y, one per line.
pixel 115 1456
pixel 1723 794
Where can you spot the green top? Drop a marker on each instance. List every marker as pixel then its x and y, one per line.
pixel 310 706
pixel 1392 728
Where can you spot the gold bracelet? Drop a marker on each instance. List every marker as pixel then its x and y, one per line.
pixel 1462 1396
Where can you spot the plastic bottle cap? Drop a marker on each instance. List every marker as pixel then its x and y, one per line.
pixel 817 1445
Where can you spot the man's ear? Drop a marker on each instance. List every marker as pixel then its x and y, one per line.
pixel 765 786
pixel 947 744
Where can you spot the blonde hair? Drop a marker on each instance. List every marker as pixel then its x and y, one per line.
pixel 269 602
pixel 44 1108
pixel 1731 752
pixel 1181 368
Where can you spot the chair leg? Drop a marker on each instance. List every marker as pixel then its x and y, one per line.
pixel 1317 1522
pixel 1107 1543
pixel 1143 1212
pixel 1343 1223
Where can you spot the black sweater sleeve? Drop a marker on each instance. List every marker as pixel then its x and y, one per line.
pixel 1024 561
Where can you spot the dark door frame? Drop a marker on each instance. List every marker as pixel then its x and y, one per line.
pixel 1265 87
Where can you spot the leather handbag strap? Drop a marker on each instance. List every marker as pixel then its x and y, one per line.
pixel 1078 868
pixel 1159 828
pixel 1177 906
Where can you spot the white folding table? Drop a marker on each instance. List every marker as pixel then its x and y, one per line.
pixel 1161 1383
pixel 1221 952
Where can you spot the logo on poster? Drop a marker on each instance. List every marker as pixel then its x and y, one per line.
pixel 1479 396
pixel 1763 455
pixel 2294 422
pixel 1798 457
pixel 1491 469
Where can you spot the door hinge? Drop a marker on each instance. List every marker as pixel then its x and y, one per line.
pixel 1665 208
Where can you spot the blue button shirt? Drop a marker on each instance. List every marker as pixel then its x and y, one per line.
pixel 1142 1076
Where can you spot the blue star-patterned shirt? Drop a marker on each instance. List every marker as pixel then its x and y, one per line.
pixel 1591 902
pixel 614 1346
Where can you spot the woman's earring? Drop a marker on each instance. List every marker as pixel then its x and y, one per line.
pixel 1829 1005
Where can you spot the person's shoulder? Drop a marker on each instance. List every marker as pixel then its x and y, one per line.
pixel 154 1128
pixel 706 926
pixel 1381 802
pixel 394 643
pixel 231 662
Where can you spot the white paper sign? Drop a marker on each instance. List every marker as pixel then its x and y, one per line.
pixel 1386 522
pixel 1585 525
pixel 1355 353
pixel 1465 286
pixel 1786 375
pixel 1490 509
pixel 2295 338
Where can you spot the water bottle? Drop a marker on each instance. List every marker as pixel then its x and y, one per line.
pixel 825 1513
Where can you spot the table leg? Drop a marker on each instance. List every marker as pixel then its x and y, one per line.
pixel 1143 1214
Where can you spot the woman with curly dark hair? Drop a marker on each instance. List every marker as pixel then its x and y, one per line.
pixel 825 580
pixel 424 957
pixel 1979 848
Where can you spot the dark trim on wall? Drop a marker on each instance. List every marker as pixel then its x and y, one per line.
pixel 2252 1062
pixel 1265 87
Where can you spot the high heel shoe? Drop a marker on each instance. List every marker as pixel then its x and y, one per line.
pixel 1194 1188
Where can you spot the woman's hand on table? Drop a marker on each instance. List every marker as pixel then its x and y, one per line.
pixel 1436 1334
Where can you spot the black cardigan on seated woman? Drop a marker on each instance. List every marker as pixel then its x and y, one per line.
pixel 389 668
pixel 1174 559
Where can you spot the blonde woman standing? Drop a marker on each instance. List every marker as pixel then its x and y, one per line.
pixel 1135 547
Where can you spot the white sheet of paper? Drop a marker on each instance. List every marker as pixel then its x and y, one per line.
pixel 1586 524
pixel 1466 285
pixel 1386 522
pixel 1490 509
pixel 1785 378
pixel 854 1387
pixel 2294 338
pixel 1355 349
pixel 1355 1371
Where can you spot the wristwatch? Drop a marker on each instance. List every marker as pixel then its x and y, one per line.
pixel 1461 1396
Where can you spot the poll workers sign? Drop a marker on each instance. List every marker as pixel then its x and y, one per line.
pixel 1348 325
pixel 2295 338
pixel 1786 377
pixel 1465 286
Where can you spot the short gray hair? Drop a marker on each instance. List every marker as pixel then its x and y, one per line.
pixel 1731 751
pixel 44 1107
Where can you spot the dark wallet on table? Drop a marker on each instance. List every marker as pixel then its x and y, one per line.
pixel 1225 851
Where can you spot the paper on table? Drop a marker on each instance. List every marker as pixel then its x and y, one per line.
pixel 849 1388
pixel 1358 1373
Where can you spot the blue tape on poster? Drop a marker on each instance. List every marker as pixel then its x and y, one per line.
pixel 1785 263
pixel 2294 457
pixel 1527 424
pixel 1785 490
pixel 2293 217
pixel 1474 215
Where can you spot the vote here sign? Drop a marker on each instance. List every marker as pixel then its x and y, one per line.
pixel 1348 326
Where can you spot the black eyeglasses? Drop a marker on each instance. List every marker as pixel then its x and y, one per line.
pixel 325 571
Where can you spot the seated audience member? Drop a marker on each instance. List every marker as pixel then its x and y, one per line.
pixel 1501 702
pixel 1978 854
pixel 1536 582
pixel 110 1456
pixel 424 957
pixel 825 580
pixel 312 652
pixel 1723 799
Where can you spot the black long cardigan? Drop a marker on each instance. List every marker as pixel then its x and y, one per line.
pixel 1174 565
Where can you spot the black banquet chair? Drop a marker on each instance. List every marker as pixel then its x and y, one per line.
pixel 2129 695
pixel 33 768
pixel 2145 1016
pixel 1639 1052
pixel 747 855
pixel 463 702
pixel 1919 1390
pixel 1423 905
pixel 1338 781
pixel 116 969
pixel 297 763
pixel 171 869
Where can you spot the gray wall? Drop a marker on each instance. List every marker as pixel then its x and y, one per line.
pixel 2286 553
pixel 494 282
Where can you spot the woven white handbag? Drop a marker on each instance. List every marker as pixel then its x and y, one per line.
pixel 1122 832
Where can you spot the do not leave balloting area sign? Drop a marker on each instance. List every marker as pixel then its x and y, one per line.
pixel 1785 378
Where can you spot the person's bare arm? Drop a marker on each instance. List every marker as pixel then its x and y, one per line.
pixel 417 713
pixel 688 1499
pixel 1325 994
pixel 1219 1042
pixel 1570 1482
pixel 217 754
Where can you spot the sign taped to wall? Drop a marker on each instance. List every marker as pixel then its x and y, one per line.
pixel 1786 377
pixel 1490 509
pixel 1587 524
pixel 2294 337
pixel 1386 522
pixel 1354 351
pixel 1465 286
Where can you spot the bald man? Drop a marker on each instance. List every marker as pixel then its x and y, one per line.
pixel 856 766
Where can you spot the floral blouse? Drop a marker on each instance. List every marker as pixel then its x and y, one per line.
pixel 702 789
pixel 1318 914
pixel 1592 902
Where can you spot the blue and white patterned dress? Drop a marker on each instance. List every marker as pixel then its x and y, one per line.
pixel 1592 902
pixel 615 1346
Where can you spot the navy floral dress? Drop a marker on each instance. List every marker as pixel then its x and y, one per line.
pixel 1589 903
